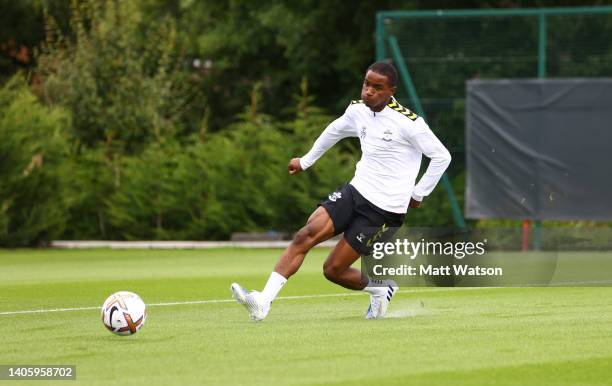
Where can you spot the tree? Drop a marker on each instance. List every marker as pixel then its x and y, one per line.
pixel 119 75
pixel 32 150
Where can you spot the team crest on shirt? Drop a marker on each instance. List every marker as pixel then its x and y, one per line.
pixel 334 196
pixel 387 135
pixel 362 134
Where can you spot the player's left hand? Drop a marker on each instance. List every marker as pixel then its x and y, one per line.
pixel 414 203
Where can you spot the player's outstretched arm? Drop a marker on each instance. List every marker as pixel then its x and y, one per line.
pixel 294 166
pixel 342 127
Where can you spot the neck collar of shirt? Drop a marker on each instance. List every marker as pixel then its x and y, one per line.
pixel 388 107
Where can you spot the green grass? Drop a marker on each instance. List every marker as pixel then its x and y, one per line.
pixel 459 336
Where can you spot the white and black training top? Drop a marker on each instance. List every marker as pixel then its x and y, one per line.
pixel 392 143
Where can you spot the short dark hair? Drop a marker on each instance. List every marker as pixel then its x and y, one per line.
pixel 386 69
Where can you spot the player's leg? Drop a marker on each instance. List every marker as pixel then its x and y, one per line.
pixel 331 217
pixel 318 228
pixel 367 227
pixel 337 267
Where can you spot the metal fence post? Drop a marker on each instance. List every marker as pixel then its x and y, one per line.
pixel 409 84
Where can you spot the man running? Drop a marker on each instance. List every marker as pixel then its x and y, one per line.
pixel 393 140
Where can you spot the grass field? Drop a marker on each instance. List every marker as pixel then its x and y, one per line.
pixel 315 333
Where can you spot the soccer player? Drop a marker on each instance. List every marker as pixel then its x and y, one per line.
pixel 393 140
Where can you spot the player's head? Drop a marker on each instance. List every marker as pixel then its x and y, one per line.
pixel 379 85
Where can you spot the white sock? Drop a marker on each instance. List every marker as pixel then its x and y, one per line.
pixel 273 286
pixel 375 286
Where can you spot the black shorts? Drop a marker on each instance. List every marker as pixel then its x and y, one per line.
pixel 362 222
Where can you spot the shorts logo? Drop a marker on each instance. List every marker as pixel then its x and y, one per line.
pixel 360 237
pixel 334 196
pixel 378 234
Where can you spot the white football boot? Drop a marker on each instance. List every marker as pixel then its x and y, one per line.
pixel 379 302
pixel 253 301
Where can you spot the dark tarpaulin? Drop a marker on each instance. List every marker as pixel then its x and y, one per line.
pixel 539 149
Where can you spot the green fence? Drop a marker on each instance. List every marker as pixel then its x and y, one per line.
pixel 437 51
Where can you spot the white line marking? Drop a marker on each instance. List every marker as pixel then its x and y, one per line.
pixel 212 301
pixel 49 310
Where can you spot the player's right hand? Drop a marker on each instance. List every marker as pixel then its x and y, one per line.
pixel 294 166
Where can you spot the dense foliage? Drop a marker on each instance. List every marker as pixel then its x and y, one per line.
pixel 175 119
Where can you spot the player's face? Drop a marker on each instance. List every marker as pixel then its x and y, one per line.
pixel 376 91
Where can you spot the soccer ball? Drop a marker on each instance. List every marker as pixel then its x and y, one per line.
pixel 124 313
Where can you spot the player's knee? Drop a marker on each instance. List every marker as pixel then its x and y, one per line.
pixel 332 271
